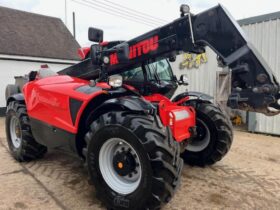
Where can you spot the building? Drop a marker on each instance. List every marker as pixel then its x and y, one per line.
pixel 29 40
pixel 264 32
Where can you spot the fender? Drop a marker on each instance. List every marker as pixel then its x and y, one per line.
pixel 131 103
pixel 16 97
pixel 181 98
pixel 113 100
pixel 128 103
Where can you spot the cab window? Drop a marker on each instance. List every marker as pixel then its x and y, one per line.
pixel 135 74
pixel 160 68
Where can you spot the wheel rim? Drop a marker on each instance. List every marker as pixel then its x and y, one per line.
pixel 202 140
pixel 15 132
pixel 120 166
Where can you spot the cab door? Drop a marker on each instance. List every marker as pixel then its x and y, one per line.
pixel 135 77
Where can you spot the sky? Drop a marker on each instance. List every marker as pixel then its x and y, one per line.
pixel 118 28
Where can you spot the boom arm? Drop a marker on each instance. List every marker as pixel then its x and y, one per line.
pixel 254 87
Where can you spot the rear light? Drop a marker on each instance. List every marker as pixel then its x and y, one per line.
pixel 175 116
pixel 181 115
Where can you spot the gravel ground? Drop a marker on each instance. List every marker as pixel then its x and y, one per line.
pixel 248 178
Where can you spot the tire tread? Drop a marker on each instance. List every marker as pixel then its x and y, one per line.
pixel 223 141
pixel 163 153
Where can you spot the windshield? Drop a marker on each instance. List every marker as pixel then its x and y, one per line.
pixel 160 69
pixel 135 74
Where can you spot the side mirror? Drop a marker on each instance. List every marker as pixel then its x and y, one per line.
pixel 184 80
pixel 122 52
pixel 95 34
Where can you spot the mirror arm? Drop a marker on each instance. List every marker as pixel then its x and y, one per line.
pixel 103 74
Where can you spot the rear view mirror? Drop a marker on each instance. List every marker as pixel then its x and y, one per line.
pixel 123 52
pixel 95 34
pixel 184 80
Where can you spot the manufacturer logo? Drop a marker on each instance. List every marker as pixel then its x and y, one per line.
pixel 141 48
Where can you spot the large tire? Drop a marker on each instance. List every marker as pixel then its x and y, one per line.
pixel 11 90
pixel 214 136
pixel 22 144
pixel 156 174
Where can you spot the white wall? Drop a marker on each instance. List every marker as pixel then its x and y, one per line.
pixel 202 79
pixel 11 68
pixel 266 38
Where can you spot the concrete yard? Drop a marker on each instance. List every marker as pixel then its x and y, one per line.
pixel 248 178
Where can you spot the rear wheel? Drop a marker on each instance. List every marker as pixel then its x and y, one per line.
pixel 133 163
pixel 22 145
pixel 214 136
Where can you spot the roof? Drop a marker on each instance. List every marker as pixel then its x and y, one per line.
pixel 28 34
pixel 260 18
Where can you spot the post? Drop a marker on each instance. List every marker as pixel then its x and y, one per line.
pixel 65 15
pixel 223 89
pixel 74 25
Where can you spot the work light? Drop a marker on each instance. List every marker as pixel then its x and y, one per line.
pixel 115 81
pixel 184 9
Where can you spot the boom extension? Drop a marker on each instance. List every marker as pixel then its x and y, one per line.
pixel 254 87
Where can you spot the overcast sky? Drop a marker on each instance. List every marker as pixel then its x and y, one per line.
pixel 163 11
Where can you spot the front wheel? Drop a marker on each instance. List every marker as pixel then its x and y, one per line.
pixel 214 136
pixel 132 162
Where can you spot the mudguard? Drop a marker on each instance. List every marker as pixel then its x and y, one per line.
pixel 198 95
pixel 16 97
pixel 130 103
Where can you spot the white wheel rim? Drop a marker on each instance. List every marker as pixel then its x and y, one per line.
pixel 120 184
pixel 198 146
pixel 15 131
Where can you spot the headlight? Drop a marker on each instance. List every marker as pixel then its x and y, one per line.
pixel 115 81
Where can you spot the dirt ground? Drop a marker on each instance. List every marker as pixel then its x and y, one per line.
pixel 248 178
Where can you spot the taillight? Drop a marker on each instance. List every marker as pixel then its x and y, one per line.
pixel 181 115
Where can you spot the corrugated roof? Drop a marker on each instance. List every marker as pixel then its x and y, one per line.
pixel 260 18
pixel 28 34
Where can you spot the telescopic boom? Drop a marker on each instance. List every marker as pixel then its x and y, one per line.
pixel 254 87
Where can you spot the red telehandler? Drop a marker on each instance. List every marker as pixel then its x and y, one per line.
pixel 114 108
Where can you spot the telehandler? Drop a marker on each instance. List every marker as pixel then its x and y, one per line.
pixel 114 108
